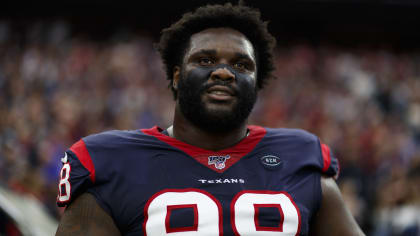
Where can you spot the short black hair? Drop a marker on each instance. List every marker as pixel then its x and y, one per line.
pixel 175 39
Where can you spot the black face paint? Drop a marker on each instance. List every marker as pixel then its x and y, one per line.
pixel 197 81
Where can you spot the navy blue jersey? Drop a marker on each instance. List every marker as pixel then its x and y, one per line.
pixel 152 184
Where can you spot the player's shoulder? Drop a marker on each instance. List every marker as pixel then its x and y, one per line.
pixel 109 143
pixel 116 139
pixel 291 134
pixel 112 137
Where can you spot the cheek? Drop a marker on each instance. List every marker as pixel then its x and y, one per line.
pixel 246 81
pixel 198 76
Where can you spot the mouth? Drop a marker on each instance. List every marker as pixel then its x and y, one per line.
pixel 220 90
pixel 220 93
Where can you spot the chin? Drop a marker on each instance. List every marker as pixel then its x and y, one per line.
pixel 219 108
pixel 219 115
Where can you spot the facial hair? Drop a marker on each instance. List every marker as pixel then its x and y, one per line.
pixel 193 85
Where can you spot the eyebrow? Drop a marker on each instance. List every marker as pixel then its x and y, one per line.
pixel 210 52
pixel 213 53
pixel 243 56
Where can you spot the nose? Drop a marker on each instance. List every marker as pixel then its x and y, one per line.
pixel 222 74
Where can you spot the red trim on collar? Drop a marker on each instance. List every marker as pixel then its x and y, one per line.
pixel 236 152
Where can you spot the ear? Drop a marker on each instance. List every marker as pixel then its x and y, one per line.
pixel 175 77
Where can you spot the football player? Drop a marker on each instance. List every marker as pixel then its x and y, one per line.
pixel 210 173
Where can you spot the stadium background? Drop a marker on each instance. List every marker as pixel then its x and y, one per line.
pixel 348 71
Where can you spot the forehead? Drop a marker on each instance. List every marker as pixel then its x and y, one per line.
pixel 223 40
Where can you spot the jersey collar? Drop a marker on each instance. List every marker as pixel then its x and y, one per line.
pixel 218 161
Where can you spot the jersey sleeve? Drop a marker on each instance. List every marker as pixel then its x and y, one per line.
pixel 330 165
pixel 77 173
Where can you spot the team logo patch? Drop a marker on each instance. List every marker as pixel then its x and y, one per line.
pixel 270 160
pixel 218 161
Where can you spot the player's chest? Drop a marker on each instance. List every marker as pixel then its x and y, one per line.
pixel 251 198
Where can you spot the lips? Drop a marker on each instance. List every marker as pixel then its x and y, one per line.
pixel 220 90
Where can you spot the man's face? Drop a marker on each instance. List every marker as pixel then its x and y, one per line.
pixel 217 82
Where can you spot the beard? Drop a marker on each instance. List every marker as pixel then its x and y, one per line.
pixel 191 87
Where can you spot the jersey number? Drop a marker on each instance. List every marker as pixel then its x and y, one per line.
pixel 207 213
pixel 64 187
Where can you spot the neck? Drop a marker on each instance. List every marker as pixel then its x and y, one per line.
pixel 185 131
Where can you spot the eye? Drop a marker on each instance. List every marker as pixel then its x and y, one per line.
pixel 239 65
pixel 205 61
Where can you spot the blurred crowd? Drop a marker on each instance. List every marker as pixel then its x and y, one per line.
pixel 57 86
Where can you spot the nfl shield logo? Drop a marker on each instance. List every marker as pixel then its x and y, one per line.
pixel 218 161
